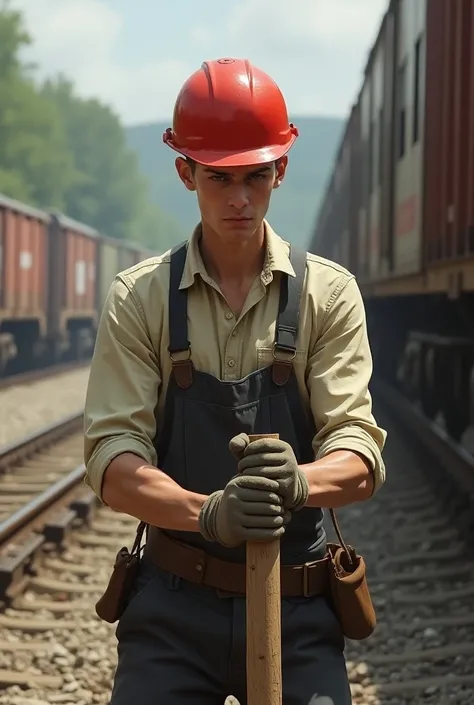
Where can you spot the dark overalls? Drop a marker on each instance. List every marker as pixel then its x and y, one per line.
pixel 182 642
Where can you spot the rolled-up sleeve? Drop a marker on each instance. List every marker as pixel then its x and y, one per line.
pixel 338 376
pixel 123 387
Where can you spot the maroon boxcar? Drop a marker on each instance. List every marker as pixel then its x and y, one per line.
pixel 449 163
pixel 72 310
pixel 23 282
pixel 411 199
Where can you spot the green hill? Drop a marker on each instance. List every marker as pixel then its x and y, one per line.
pixel 294 205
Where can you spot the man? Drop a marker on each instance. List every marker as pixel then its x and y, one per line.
pixel 232 334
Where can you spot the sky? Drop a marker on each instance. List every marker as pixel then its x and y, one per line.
pixel 135 54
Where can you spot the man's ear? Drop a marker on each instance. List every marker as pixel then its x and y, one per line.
pixel 280 167
pixel 185 173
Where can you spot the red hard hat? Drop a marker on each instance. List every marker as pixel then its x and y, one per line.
pixel 230 113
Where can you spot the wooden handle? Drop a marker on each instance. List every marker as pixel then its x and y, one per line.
pixel 264 682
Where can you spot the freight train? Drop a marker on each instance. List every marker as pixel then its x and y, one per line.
pixel 54 276
pixel 398 210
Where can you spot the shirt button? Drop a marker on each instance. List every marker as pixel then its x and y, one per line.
pixel 229 315
pixel 231 362
pixel 234 333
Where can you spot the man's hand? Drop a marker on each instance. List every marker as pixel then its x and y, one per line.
pixel 275 460
pixel 247 509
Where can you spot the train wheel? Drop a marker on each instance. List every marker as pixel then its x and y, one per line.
pixel 8 351
pixel 456 401
pixel 410 372
pixel 82 343
pixel 429 396
pixel 471 397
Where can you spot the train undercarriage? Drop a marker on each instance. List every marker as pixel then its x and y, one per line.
pixel 23 347
pixel 80 337
pixel 424 347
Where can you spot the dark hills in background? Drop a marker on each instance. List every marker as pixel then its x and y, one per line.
pixel 294 205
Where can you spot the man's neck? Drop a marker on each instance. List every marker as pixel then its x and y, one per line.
pixel 232 263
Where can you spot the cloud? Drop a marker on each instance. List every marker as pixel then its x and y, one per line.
pixel 73 35
pixel 315 49
pixel 79 38
pixel 303 25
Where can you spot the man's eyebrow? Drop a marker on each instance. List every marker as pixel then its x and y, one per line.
pixel 210 170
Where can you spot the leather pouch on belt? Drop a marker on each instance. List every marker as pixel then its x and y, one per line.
pixel 111 605
pixel 349 589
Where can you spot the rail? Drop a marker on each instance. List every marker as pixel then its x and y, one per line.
pixel 49 514
pixel 21 450
pixel 452 466
pixel 42 502
pixel 40 373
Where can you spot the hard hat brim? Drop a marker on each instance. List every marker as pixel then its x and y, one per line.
pixel 263 155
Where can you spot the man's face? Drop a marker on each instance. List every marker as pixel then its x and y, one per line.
pixel 234 201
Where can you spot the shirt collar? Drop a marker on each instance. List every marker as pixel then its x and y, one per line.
pixel 276 258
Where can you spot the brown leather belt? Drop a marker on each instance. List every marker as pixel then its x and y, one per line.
pixel 199 567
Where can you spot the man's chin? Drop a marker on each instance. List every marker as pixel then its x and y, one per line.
pixel 238 229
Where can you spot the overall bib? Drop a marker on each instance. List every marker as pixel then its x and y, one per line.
pixel 179 641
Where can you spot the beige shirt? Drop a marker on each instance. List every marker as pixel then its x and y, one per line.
pixel 131 364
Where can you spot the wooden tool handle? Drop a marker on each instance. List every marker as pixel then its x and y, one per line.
pixel 264 681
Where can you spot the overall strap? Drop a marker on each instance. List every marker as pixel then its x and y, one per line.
pixel 178 318
pixel 288 317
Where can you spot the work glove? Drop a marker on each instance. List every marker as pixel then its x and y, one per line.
pixel 275 460
pixel 247 509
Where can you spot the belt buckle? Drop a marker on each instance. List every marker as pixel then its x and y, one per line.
pixel 306 592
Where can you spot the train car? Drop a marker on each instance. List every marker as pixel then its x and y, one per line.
pixel 131 253
pixel 72 302
pixel 115 256
pixel 54 276
pixel 108 264
pixel 23 284
pixel 399 206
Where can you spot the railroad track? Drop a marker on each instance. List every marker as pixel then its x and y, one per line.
pixel 37 476
pixel 56 556
pixel 41 373
pixel 55 550
pixel 416 536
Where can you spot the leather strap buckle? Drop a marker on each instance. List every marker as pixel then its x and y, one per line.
pixel 306 592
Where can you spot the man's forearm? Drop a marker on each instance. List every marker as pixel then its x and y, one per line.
pixel 147 493
pixel 339 478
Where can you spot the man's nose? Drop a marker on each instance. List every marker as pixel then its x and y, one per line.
pixel 239 198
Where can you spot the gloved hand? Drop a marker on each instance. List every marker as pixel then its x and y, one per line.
pixel 275 460
pixel 247 509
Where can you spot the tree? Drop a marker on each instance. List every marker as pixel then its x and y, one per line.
pixel 59 151
pixel 111 193
pixel 12 37
pixel 35 162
